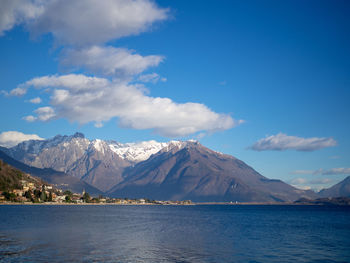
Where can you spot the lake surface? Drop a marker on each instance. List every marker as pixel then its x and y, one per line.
pixel 202 233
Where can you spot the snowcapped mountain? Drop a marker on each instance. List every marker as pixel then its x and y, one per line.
pixel 188 170
pixel 58 153
pixel 136 152
pixel 30 151
pixel 98 162
pixel 141 151
pixel 157 170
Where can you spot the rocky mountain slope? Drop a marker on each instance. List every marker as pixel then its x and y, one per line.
pixel 10 177
pixel 173 170
pixel 340 189
pixel 189 170
pixel 59 179
pixel 97 162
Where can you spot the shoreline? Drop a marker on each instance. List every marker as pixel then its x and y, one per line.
pixel 193 204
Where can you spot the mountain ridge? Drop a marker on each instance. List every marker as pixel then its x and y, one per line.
pixel 158 170
pixel 59 179
pixel 200 174
pixel 341 189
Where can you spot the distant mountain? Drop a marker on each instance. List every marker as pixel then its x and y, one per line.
pixel 340 189
pixel 59 179
pixel 176 170
pixel 188 170
pixel 97 162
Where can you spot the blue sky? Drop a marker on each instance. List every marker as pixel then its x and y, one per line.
pixel 280 66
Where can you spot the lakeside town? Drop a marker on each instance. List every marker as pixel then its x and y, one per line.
pixel 17 187
pixel 36 192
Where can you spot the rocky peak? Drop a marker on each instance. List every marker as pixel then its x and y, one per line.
pixel 79 135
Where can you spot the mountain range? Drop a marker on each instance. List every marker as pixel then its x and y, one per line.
pixel 59 179
pixel 175 170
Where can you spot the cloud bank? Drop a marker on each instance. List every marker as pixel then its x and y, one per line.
pixel 316 184
pixel 333 171
pixel 282 142
pixel 15 12
pixel 82 22
pixel 12 138
pixel 110 61
pixel 84 28
pixel 84 99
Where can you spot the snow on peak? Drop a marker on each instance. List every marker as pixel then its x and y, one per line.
pixel 137 152
pixel 134 152
pixel 99 145
pixel 179 145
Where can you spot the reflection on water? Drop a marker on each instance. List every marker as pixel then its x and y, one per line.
pixel 174 234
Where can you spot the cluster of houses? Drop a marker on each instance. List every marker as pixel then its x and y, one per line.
pixel 42 193
pixel 32 192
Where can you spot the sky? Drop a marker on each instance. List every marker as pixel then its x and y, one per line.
pixel 265 81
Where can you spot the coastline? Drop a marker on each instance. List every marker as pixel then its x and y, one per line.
pixel 193 204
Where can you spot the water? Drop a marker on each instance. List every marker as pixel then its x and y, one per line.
pixel 202 233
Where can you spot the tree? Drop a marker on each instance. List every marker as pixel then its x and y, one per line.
pixel 9 196
pixel 43 196
pixel 28 194
pixel 67 192
pixel 86 197
pixel 50 197
pixel 68 199
pixel 37 193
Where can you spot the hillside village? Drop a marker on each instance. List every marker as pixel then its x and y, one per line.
pixel 19 187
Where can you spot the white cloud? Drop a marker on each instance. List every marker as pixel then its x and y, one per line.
pixel 89 22
pixel 30 118
pixel 298 181
pixel 12 138
pixel 85 99
pixel 82 22
pixel 332 171
pixel 302 187
pixel 110 61
pixel 84 27
pixel 321 181
pixel 317 184
pixel 303 172
pixel 45 113
pixel 36 100
pixel 19 91
pixel 335 171
pixel 153 78
pixel 77 82
pixel 281 142
pixel 14 12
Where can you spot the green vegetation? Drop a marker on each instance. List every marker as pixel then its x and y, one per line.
pixel 9 196
pixel 68 199
pixel 16 186
pixel 10 178
pixel 68 195
pixel 86 197
pixel 50 198
pixel 67 192
pixel 43 196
